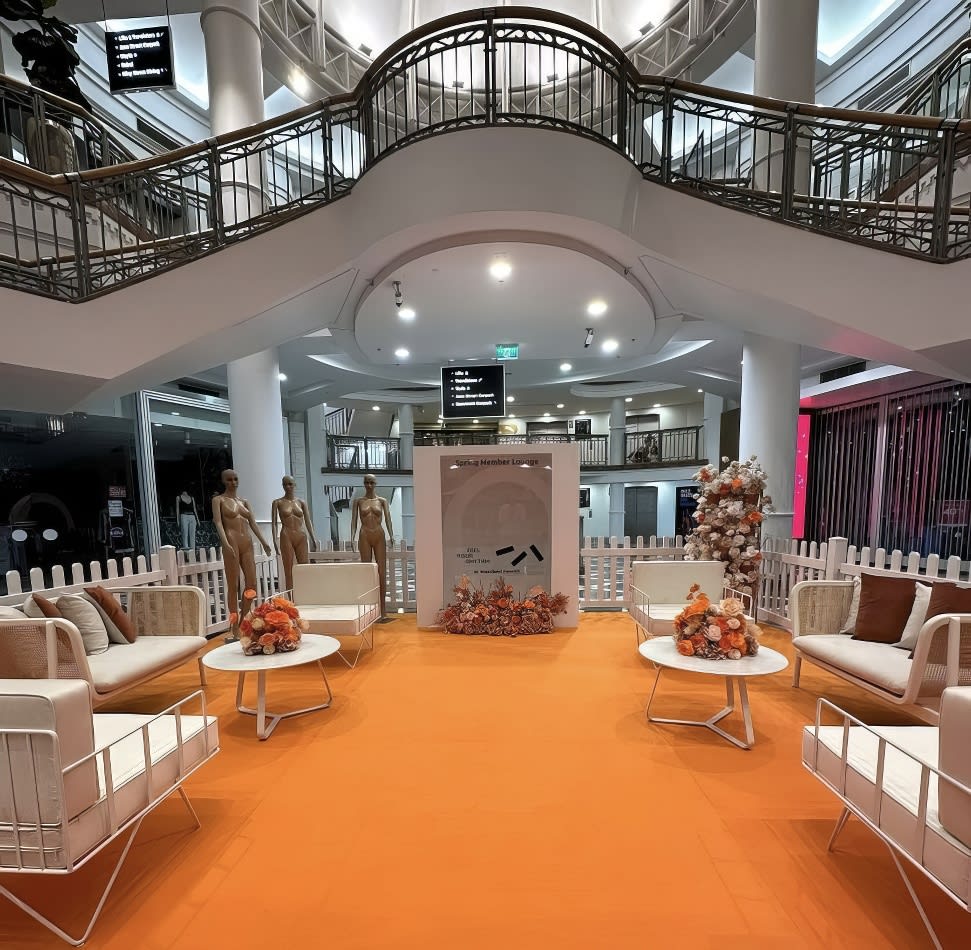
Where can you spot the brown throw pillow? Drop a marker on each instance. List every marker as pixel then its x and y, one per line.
pixel 885 605
pixel 46 607
pixel 949 599
pixel 113 611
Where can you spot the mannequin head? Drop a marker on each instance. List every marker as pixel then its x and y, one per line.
pixel 229 479
pixel 289 486
pixel 370 483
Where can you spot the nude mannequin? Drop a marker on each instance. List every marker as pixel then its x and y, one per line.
pixel 371 510
pixel 291 541
pixel 234 521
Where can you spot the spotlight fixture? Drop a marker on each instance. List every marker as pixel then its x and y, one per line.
pixel 597 308
pixel 589 338
pixel 458 83
pixel 500 269
pixel 646 28
pixel 399 298
pixel 282 377
pixel 188 439
pixel 365 49
pixel 552 77
pixel 406 313
pixel 565 367
pixel 401 353
pixel 609 346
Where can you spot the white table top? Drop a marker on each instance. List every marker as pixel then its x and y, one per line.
pixel 661 650
pixel 230 656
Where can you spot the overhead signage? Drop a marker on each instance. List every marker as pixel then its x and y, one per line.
pixel 472 391
pixel 140 59
pixel 507 351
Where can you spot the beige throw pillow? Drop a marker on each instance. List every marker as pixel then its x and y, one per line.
pixel 12 613
pixel 918 615
pixel 114 634
pixel 850 625
pixel 84 615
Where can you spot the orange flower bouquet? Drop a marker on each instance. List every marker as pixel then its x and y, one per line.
pixel 715 631
pixel 274 626
pixel 498 613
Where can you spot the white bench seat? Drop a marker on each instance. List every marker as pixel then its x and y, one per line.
pixel 339 620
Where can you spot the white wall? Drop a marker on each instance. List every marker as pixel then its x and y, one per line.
pixel 677 417
pixel 598 524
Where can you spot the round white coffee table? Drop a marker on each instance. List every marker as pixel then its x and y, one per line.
pixel 662 652
pixel 313 648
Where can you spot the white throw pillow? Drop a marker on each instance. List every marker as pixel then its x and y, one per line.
pixel 850 625
pixel 84 615
pixel 12 613
pixel 34 612
pixel 918 614
pixel 114 634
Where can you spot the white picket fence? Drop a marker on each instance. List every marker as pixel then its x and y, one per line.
pixel 604 572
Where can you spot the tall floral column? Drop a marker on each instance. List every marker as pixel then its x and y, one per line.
pixel 731 504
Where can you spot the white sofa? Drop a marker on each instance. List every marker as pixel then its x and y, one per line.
pixel 910 784
pixel 659 592
pixel 170 624
pixel 339 600
pixel 941 657
pixel 74 781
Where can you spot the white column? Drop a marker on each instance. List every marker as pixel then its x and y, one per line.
pixel 770 420
pixel 256 423
pixel 617 503
pixel 316 458
pixel 234 68
pixel 406 437
pixel 714 407
pixel 616 444
pixel 785 68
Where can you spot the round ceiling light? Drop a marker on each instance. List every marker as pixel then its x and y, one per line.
pixel 402 353
pixel 657 405
pixel 282 377
pixel 559 405
pixel 512 415
pixel 500 269
pixel 510 398
pixel 597 308
pixel 628 399
pixel 406 313
pixel 565 367
pixel 610 346
pixel 376 408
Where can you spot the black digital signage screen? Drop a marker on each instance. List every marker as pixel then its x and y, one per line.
pixel 473 391
pixel 140 59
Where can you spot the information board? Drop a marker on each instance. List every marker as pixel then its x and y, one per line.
pixel 140 59
pixel 472 391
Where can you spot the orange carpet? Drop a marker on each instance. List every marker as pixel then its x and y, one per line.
pixel 480 792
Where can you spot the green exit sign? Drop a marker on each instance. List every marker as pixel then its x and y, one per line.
pixel 507 351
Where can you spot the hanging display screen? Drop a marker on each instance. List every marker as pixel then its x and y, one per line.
pixel 140 59
pixel 472 391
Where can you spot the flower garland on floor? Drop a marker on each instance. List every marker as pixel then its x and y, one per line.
pixel 731 504
pixel 272 627
pixel 497 613
pixel 715 631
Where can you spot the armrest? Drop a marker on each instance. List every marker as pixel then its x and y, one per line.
pixel 748 601
pixel 372 596
pixel 170 611
pixel 42 649
pixel 942 656
pixel 819 607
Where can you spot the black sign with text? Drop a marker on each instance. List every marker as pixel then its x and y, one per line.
pixel 140 59
pixel 473 391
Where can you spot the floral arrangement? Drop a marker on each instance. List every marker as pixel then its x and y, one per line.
pixel 715 631
pixel 272 627
pixel 731 504
pixel 497 612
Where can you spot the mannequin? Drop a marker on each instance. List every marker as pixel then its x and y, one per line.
pixel 187 517
pixel 234 521
pixel 371 510
pixel 291 542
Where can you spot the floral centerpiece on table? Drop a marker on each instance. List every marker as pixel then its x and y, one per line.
pixel 272 627
pixel 715 631
pixel 497 612
pixel 731 504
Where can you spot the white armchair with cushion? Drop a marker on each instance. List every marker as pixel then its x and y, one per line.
pixel 907 657
pixel 169 627
pixel 73 781
pixel 911 785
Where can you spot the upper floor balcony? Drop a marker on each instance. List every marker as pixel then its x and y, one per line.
pixel 661 448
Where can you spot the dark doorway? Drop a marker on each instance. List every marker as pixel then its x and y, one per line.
pixel 640 512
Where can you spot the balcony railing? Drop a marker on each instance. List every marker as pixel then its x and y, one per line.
pixel 666 447
pixel 73 237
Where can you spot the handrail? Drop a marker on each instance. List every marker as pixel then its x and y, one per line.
pixel 796 162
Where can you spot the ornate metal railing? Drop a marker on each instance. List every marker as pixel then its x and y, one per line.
pixel 75 236
pixel 664 446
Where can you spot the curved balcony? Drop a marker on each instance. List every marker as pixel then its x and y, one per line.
pixel 884 181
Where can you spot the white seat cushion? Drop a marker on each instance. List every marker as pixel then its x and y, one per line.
pixel 881 664
pixel 339 619
pixel 944 856
pixel 125 663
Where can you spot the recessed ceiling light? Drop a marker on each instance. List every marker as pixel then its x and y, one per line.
pixel 406 313
pixel 559 405
pixel 500 269
pixel 512 415
pixel 510 398
pixel 701 390
pixel 583 412
pixel 565 367
pixel 657 405
pixel 401 353
pixel 597 308
pixel 174 413
pixel 376 408
pixel 546 414
pixel 158 425
pixel 628 399
pixel 475 422
pixel 282 377
pixel 609 346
